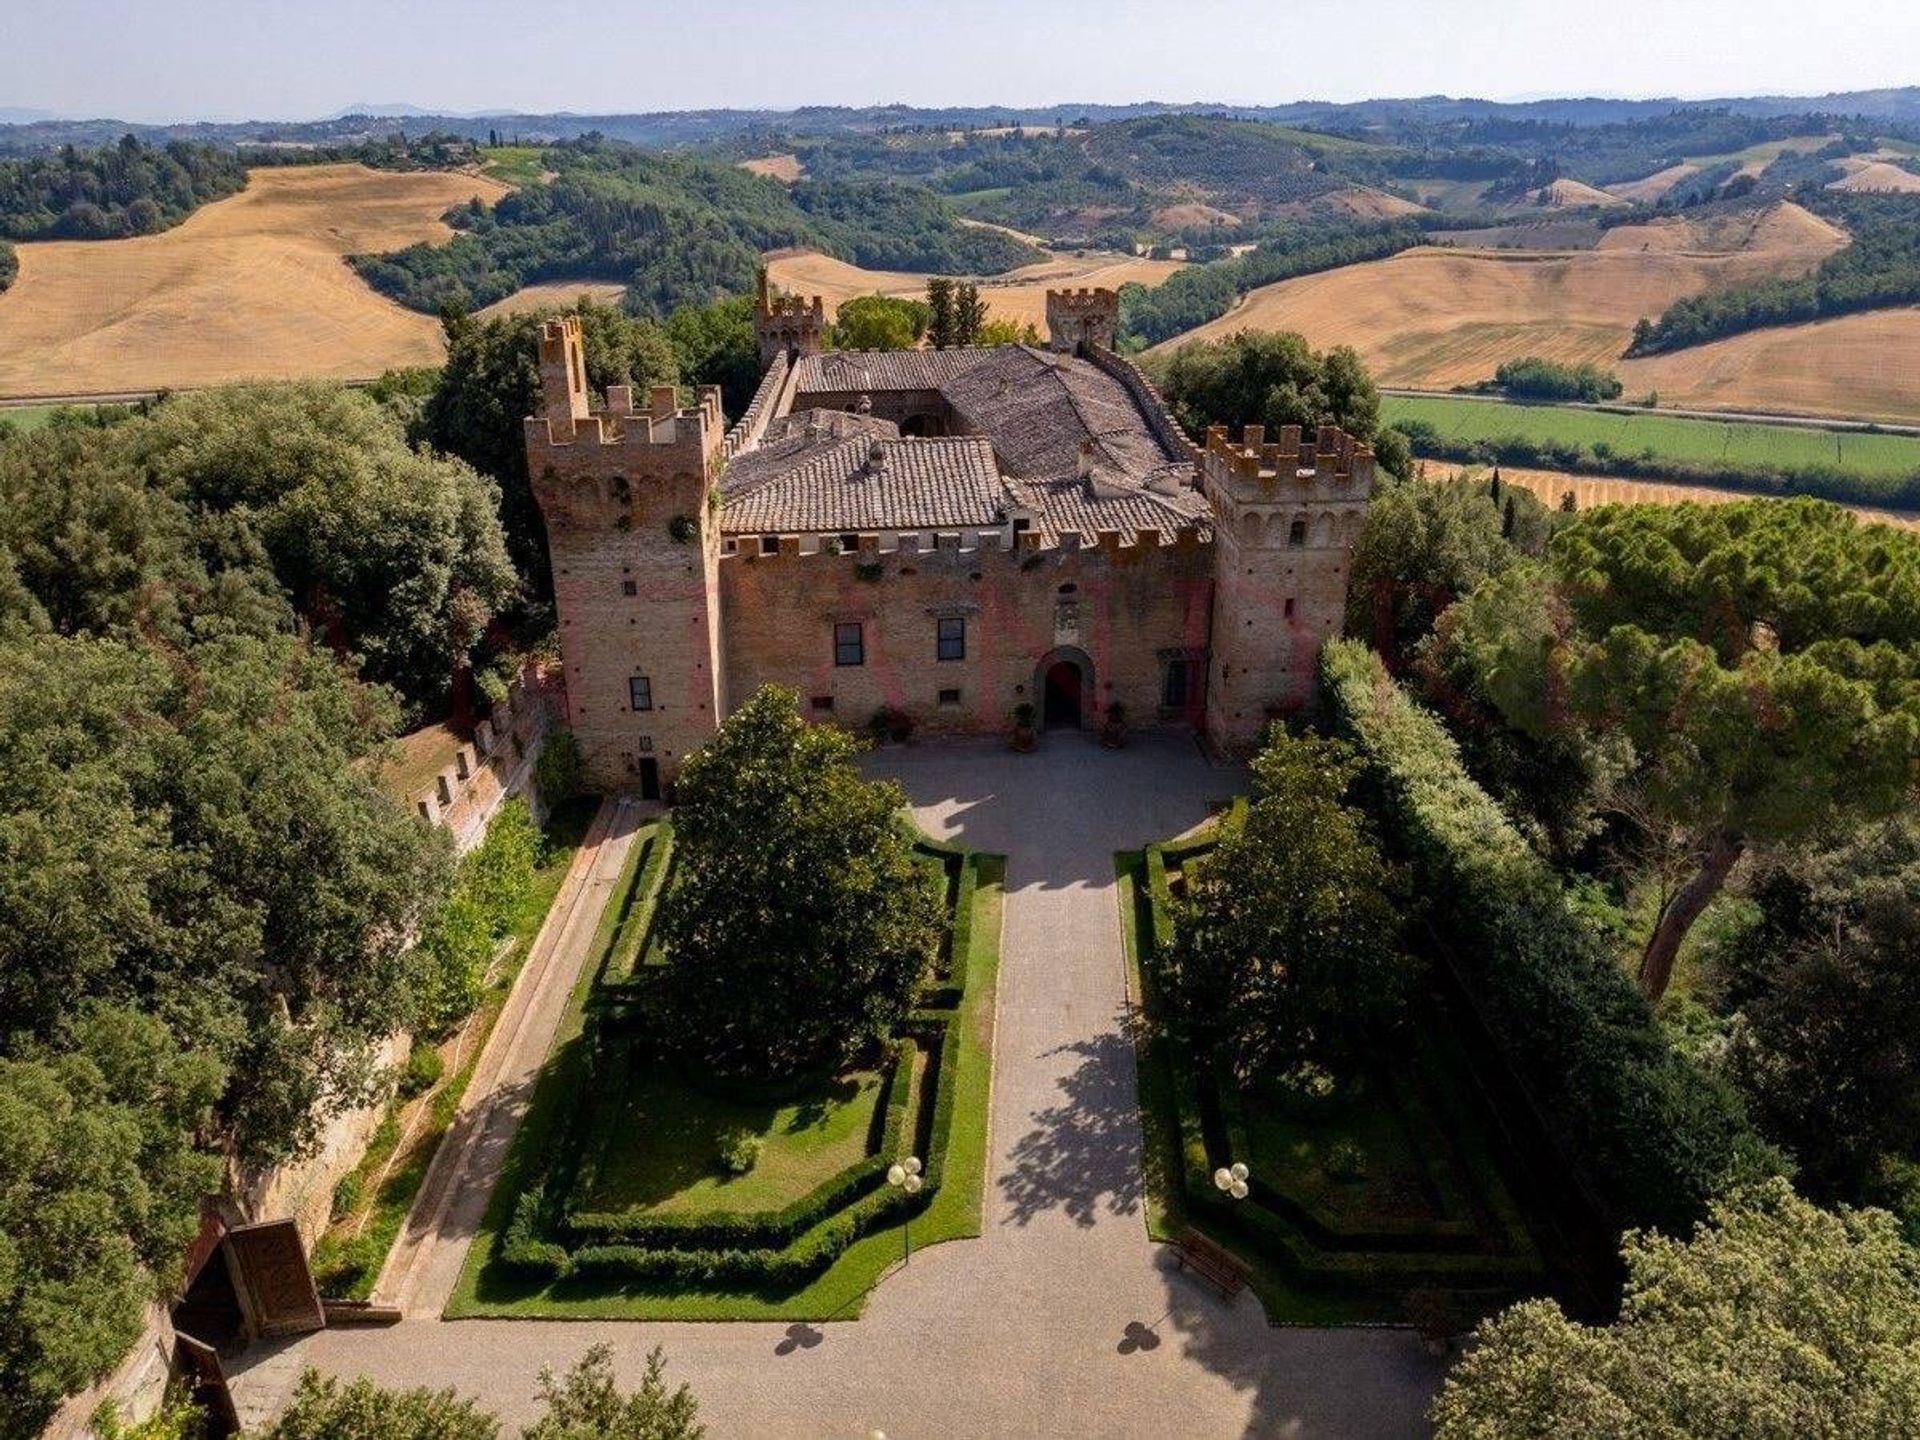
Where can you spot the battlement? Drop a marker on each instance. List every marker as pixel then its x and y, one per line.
pixel 568 419
pixel 1327 456
pixel 787 324
pixel 1025 545
pixel 1082 320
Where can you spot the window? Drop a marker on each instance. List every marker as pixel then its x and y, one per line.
pixel 849 644
pixel 849 542
pixel 1297 533
pixel 822 704
pixel 949 697
pixel 1287 610
pixel 951 642
pixel 769 544
pixel 1173 684
pixel 640 692
pixel 629 587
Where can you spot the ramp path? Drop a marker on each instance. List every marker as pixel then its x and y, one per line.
pixel 1062 1319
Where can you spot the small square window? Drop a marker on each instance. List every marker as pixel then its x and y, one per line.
pixel 949 697
pixel 849 542
pixel 822 704
pixel 629 587
pixel 950 643
pixel 849 644
pixel 769 544
pixel 640 692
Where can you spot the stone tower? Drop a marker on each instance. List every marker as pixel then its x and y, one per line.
pixel 1078 320
pixel 635 551
pixel 786 324
pixel 1286 519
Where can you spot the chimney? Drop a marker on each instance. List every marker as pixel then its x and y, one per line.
pixel 876 459
pixel 1086 458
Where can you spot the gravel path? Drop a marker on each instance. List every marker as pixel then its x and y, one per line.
pixel 1062 1319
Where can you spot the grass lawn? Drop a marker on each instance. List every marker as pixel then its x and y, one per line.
pixel 839 1292
pixel 1666 437
pixel 1285 1302
pixel 514 164
pixel 667 1136
pixel 26 417
pixel 348 1257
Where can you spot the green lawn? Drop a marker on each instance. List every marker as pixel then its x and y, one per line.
pixel 1167 1217
pixel 27 417
pixel 840 1291
pixel 664 1154
pixel 514 164
pixel 1708 442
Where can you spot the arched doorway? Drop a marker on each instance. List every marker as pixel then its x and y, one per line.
pixel 1064 682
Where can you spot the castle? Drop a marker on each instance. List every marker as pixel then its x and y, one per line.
pixel 946 534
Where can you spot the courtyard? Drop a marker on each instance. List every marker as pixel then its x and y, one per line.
pixel 1062 1317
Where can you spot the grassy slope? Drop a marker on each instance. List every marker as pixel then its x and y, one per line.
pixel 1671 437
pixel 837 1294
pixel 1285 1303
pixel 375 1223
pixel 26 417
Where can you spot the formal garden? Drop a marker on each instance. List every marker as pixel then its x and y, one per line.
pixel 789 1001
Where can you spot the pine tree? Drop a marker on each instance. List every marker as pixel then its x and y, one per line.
pixel 969 314
pixel 941 332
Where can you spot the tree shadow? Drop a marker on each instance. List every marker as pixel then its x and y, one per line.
pixel 1083 1154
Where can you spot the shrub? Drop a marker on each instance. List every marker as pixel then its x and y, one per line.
pixel 1653 1138
pixel 347 1194
pixel 1345 1160
pixel 739 1151
pixel 423 1070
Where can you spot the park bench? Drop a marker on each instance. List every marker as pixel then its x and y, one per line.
pixel 1193 1251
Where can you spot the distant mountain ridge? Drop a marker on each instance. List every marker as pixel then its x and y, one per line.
pixel 24 131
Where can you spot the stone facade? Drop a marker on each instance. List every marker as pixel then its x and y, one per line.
pixel 1123 565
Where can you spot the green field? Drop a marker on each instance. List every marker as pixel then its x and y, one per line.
pixel 1660 437
pixel 514 164
pixel 26 417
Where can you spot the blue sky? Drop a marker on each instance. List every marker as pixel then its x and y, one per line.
pixel 171 59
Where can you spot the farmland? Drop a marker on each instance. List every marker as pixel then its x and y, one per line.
pixel 1662 437
pixel 254 286
pixel 1436 317
pixel 1019 295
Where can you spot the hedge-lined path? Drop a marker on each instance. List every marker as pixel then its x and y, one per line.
pixel 1063 1319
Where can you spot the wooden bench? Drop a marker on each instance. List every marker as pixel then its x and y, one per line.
pixel 1193 1251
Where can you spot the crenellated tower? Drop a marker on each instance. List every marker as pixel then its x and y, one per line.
pixel 786 323
pixel 1082 320
pixel 1287 515
pixel 634 546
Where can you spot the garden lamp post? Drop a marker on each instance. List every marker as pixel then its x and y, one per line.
pixel 1231 1180
pixel 905 1176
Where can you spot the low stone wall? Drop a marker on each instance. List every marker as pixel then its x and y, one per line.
pixel 136 1389
pixel 497 763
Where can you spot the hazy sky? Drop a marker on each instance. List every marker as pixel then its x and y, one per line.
pixel 170 59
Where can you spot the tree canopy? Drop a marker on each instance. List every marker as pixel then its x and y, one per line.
pixel 798 926
pixel 880 322
pixel 238 510
pixel 1691 632
pixel 1777 1320
pixel 1285 945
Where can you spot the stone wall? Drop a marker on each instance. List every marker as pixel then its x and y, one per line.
pixel 497 763
pixel 1122 609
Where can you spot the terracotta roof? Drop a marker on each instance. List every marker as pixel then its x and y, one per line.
pixel 1060 505
pixel 851 371
pixel 819 482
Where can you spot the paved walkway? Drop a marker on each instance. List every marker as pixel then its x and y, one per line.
pixel 1062 1319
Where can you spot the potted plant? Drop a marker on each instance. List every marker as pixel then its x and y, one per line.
pixel 1023 726
pixel 1113 734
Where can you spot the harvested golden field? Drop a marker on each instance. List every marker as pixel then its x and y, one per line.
pixel 555 295
pixel 1434 317
pixel 1865 366
pixel 1649 188
pixel 1869 174
pixel 1019 295
pixel 1567 194
pixel 253 286
pixel 776 167
pixel 1591 490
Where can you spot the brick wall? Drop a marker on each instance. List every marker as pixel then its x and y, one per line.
pixel 1126 608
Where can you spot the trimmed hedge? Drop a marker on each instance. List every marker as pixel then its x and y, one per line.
pixel 1651 1137
pixel 733 1229
pixel 961 871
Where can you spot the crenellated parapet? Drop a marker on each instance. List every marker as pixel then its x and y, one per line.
pixel 1147 396
pixel 787 324
pixel 1081 321
pixel 1326 464
pixel 1026 545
